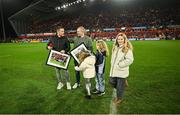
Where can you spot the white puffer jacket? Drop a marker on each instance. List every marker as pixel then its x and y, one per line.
pixel 88 67
pixel 120 63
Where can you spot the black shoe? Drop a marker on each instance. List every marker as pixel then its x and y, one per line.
pixel 88 96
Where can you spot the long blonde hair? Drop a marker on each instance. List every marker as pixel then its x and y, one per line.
pixel 83 55
pixel 127 43
pixel 103 47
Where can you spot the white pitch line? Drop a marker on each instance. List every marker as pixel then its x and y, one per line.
pixel 113 107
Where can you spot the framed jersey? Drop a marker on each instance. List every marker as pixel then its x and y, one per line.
pixel 58 59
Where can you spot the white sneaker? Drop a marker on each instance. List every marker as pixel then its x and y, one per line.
pixel 60 85
pixel 75 85
pixel 68 86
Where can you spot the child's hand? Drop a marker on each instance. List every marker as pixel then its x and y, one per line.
pixel 62 51
pixel 76 68
pixel 49 48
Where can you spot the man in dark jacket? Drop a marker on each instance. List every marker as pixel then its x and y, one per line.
pixel 60 43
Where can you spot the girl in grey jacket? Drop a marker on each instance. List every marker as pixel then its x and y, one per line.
pixel 122 58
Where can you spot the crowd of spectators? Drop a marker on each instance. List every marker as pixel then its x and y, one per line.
pixel 138 17
pixel 155 23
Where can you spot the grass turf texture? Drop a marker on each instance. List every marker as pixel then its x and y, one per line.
pixel 28 85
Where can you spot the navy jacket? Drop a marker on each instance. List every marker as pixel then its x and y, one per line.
pixel 100 62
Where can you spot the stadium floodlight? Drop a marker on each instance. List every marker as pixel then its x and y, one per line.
pixel 69 4
pixel 91 0
pixel 64 6
pixel 58 8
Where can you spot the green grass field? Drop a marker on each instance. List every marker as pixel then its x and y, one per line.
pixel 28 85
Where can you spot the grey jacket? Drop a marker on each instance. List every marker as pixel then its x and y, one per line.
pixel 86 40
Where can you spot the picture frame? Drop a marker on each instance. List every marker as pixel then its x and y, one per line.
pixel 77 50
pixel 58 59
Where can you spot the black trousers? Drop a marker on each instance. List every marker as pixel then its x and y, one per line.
pixel 77 73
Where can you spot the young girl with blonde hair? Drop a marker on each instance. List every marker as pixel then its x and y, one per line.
pixel 122 58
pixel 87 66
pixel 101 54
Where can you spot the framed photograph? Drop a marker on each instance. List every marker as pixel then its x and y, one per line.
pixel 58 59
pixel 77 51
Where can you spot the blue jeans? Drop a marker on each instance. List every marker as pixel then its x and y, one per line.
pixel 59 75
pixel 100 82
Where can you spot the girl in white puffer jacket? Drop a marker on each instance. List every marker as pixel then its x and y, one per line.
pixel 87 66
pixel 122 58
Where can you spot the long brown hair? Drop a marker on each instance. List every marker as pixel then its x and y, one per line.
pixel 127 43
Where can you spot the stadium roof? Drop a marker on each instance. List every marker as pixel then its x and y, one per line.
pixel 36 12
pixel 39 10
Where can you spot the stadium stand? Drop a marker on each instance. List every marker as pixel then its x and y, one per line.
pixel 103 21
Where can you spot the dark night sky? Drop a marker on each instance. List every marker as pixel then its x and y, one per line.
pixel 9 8
pixel 12 6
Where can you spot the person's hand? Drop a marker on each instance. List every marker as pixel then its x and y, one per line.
pixel 49 48
pixel 62 51
pixel 76 68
